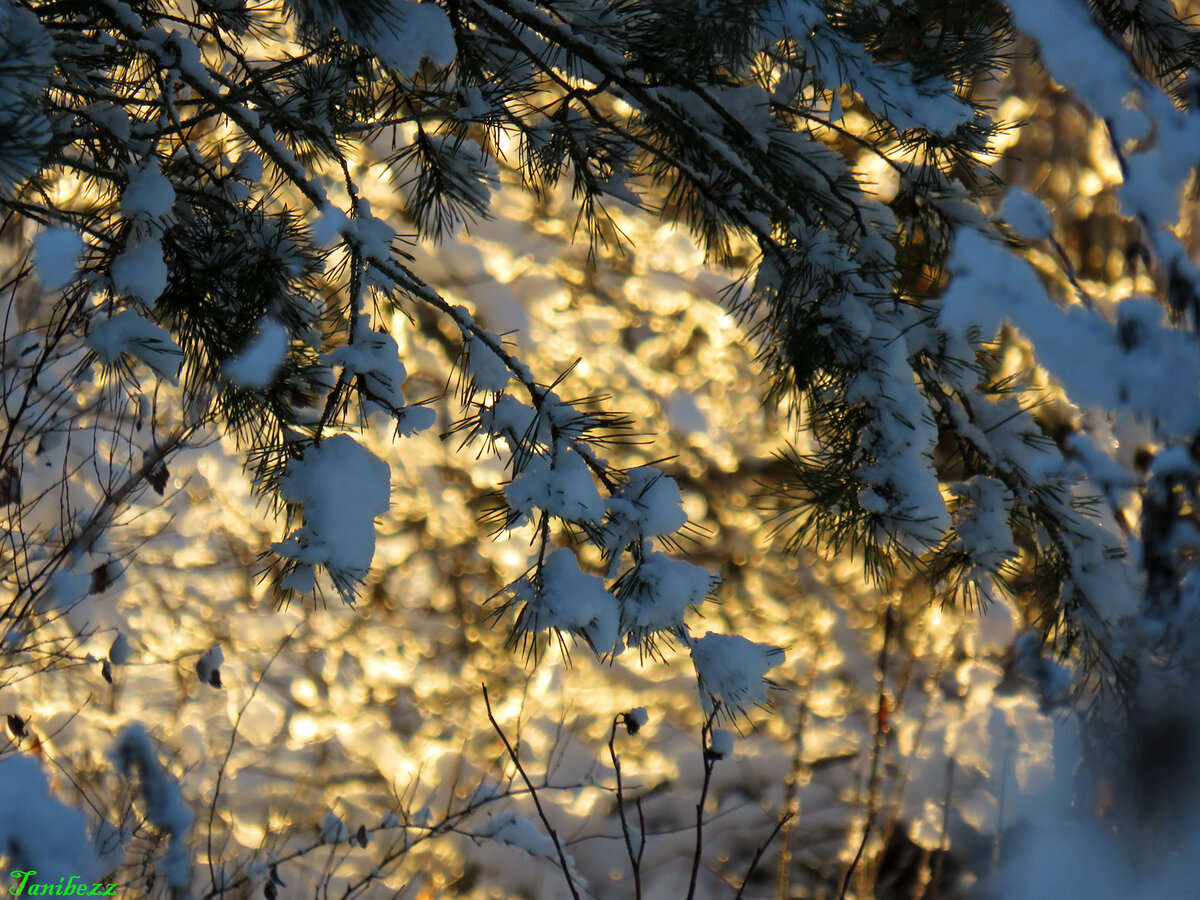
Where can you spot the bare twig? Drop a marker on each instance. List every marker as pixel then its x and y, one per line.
pixel 882 728
pixel 635 858
pixel 791 802
pixel 512 754
pixel 762 848
pixel 710 761
pixel 862 845
pixel 943 840
pixel 212 806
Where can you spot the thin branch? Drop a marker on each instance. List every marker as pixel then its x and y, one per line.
pixel 758 854
pixel 212 806
pixel 635 858
pixel 710 761
pixel 512 754
pixel 862 845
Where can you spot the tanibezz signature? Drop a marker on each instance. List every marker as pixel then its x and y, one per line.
pixel 66 887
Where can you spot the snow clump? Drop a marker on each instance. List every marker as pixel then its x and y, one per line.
pixel 258 363
pixel 720 745
pixel 731 671
pixel 162 801
pixel 342 487
pixel 657 594
pixel 127 332
pixel 648 505
pixel 562 486
pixel 56 253
pixel 1026 215
pixel 140 271
pixel 570 600
pixel 149 195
